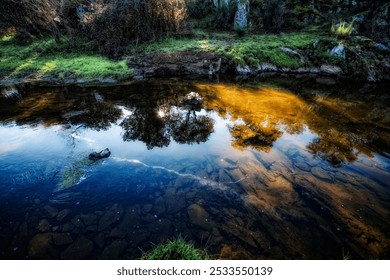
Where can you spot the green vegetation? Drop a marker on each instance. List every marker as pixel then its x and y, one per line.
pixel 342 29
pixel 177 249
pixel 248 50
pixel 70 177
pixel 45 58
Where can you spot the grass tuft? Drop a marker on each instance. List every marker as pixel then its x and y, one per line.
pixel 177 249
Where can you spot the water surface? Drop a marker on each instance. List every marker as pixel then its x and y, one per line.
pixel 275 169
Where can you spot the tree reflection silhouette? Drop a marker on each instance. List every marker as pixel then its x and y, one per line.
pixel 156 128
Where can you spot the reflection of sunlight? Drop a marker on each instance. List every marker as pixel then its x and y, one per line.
pixel 161 113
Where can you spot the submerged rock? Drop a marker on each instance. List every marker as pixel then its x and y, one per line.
pixel 98 156
pixel 78 250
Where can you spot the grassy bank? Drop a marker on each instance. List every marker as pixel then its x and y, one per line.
pixel 48 59
pixel 246 50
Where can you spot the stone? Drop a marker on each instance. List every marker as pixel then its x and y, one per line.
pixel 76 221
pixel 100 155
pixel 243 70
pixel 147 208
pixel 331 69
pixel 114 250
pixel 198 216
pixel 51 211
pixel 267 67
pixel 226 252
pixel 138 236
pixel 78 250
pixel 339 51
pixel 61 239
pixel 321 174
pixel 159 206
pixel 99 240
pixel 44 225
pixel 68 227
pixel 40 246
pixel 63 214
pixel 11 92
pixel 118 233
pixel 89 219
pixel 112 215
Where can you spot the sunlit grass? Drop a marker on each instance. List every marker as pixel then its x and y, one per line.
pixel 45 57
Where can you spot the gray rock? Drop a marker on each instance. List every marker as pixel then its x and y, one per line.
pixel 63 214
pixel 68 227
pixel 76 221
pixel 112 215
pixel 267 67
pixel 118 233
pixel 61 239
pixel 100 155
pixel 78 250
pixel 44 225
pixel 114 250
pixel 331 69
pixel 51 211
pixel 159 206
pixel 40 246
pixel 89 219
pixel 321 174
pixel 243 70
pixel 198 216
pixel 11 92
pixel 338 51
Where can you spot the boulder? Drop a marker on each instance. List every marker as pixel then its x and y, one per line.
pixel 338 51
pixel 98 156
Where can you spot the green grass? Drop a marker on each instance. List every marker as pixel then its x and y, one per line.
pixel 177 249
pixel 249 50
pixel 45 57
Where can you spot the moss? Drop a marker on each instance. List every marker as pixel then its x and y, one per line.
pixel 177 249
pixel 45 57
pixel 70 177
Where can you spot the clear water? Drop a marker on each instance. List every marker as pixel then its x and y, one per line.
pixel 276 169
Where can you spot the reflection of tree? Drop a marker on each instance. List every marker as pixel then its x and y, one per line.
pixel 188 128
pixel 155 129
pixel 255 137
pixel 99 115
pixel 147 126
pixel 333 153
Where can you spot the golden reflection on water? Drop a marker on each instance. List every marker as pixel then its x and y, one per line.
pixel 289 188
